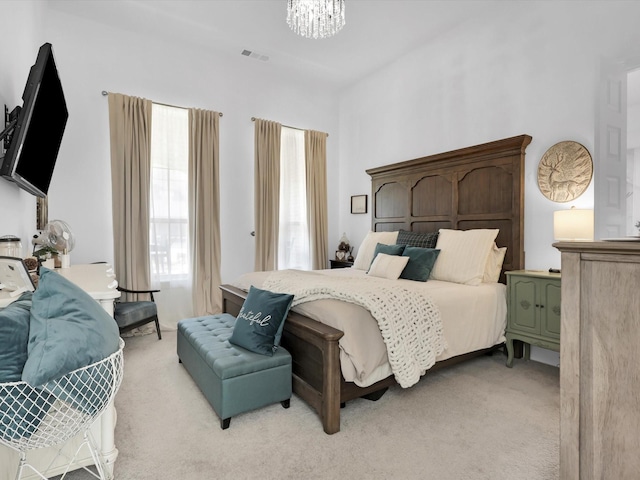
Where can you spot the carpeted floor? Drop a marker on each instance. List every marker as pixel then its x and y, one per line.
pixel 477 420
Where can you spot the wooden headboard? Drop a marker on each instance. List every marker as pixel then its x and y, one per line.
pixel 474 187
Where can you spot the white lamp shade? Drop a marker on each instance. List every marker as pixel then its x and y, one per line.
pixel 573 225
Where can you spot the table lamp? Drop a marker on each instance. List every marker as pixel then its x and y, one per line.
pixel 573 225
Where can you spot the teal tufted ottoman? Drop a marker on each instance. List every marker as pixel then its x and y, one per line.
pixel 233 380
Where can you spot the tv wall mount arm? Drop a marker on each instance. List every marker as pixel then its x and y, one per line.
pixel 10 120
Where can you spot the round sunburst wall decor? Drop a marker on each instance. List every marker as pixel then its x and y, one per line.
pixel 565 171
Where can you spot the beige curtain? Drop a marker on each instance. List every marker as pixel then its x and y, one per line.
pixel 267 193
pixel 130 133
pixel 315 146
pixel 204 210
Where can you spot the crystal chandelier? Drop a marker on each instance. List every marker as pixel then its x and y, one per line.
pixel 315 18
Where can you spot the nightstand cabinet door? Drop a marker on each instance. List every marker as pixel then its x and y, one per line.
pixel 550 311
pixel 523 303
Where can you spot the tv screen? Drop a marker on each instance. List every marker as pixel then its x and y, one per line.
pixel 36 138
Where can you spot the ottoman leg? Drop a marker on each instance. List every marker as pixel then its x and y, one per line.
pixel 224 424
pixel 286 403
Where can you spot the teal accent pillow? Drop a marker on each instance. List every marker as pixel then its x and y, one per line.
pixel 260 322
pixel 22 408
pixel 14 338
pixel 387 249
pixel 69 330
pixel 421 262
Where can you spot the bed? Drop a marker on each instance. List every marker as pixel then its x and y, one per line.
pixel 473 188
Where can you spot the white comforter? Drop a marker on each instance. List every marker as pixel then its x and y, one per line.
pixel 473 318
pixel 409 321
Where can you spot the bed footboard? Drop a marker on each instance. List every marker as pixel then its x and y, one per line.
pixel 315 352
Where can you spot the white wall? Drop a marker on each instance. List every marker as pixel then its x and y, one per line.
pixel 21 25
pixel 633 149
pixel 92 57
pixel 531 70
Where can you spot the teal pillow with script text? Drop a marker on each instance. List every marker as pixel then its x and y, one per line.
pixel 260 322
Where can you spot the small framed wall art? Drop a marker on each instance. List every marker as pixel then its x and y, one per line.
pixel 358 204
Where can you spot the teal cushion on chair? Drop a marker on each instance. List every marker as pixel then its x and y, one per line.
pixel 130 313
pixel 21 409
pixel 14 338
pixel 69 330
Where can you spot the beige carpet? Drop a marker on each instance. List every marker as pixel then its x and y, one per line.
pixel 477 420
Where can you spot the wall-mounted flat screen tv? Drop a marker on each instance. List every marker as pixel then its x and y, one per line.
pixel 36 138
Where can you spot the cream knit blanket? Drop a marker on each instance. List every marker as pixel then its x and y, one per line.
pixel 410 323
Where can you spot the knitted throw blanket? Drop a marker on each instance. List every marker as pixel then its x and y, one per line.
pixel 410 323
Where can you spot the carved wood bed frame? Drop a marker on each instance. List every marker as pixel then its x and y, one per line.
pixel 474 187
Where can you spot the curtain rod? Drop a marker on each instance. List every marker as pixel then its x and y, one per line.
pixel 105 93
pixel 253 119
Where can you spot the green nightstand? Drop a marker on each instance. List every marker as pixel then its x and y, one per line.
pixel 533 306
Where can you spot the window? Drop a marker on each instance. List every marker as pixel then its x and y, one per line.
pixel 169 202
pixel 293 244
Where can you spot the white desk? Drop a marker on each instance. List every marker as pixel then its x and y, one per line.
pixel 98 280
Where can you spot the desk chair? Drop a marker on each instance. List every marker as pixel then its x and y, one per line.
pixel 51 414
pixel 130 315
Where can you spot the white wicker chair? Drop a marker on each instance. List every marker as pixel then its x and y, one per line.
pixel 53 413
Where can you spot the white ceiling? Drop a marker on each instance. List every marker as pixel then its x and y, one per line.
pixel 376 31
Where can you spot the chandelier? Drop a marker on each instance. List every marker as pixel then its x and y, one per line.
pixel 315 18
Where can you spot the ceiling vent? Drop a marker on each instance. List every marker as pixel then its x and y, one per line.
pixel 255 55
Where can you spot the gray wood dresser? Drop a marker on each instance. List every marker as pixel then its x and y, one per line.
pixel 533 310
pixel 599 362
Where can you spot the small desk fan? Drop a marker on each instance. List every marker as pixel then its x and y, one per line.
pixel 58 235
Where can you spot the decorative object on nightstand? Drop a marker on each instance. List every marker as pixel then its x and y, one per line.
pixel 344 249
pixel 533 310
pixel 344 244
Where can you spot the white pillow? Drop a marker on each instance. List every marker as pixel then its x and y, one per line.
pixel 463 255
pixel 388 266
pixel 367 248
pixel 494 264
